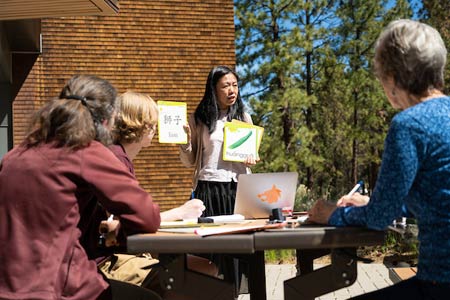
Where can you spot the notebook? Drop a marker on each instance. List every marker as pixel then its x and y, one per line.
pixel 258 193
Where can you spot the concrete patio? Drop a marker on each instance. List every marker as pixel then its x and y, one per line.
pixel 370 277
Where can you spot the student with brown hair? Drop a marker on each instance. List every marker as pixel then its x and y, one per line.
pixel 46 184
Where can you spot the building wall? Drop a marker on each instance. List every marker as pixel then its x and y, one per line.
pixel 163 48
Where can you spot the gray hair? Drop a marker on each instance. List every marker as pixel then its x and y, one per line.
pixel 414 55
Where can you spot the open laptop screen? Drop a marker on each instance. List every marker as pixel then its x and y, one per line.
pixel 258 193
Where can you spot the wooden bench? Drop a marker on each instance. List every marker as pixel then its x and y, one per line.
pixel 401 273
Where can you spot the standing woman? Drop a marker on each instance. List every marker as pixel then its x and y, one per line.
pixel 46 185
pixel 215 180
pixel 415 171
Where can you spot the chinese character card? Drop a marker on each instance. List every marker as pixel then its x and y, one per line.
pixel 172 116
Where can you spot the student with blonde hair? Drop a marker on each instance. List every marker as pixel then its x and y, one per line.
pixel 135 126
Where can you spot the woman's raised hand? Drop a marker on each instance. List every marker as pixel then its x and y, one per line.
pixel 187 129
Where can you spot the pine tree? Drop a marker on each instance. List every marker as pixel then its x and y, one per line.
pixel 435 13
pixel 368 111
pixel 310 63
pixel 279 48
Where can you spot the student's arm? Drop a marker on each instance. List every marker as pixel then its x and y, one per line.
pixel 403 146
pixel 191 209
pixel 118 190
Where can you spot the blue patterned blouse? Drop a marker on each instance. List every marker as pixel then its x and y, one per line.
pixel 415 171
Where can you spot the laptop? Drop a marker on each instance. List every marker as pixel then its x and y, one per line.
pixel 258 193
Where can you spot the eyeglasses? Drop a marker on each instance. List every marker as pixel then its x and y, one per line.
pixel 151 127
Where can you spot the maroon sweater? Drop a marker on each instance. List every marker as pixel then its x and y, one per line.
pixel 95 214
pixel 43 192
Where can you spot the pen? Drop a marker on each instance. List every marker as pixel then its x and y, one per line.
pixel 355 188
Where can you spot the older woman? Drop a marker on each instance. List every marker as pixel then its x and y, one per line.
pixel 415 170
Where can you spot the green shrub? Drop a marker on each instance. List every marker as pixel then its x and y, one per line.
pixel 280 256
pixel 304 199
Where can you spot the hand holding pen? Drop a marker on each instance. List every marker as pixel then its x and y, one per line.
pixel 353 198
pixel 108 230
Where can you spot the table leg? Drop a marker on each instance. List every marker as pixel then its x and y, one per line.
pixel 257 276
pixel 175 277
pixel 340 273
pixel 305 259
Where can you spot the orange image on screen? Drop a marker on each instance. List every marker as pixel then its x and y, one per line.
pixel 270 196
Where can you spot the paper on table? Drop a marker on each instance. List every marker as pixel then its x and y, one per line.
pixel 178 224
pixel 236 218
pixel 183 226
pixel 227 229
pixel 178 230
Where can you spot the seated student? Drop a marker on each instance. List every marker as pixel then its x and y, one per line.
pixel 135 126
pixel 410 61
pixel 47 182
pixel 134 129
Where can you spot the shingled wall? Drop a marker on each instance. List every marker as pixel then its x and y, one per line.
pixel 163 48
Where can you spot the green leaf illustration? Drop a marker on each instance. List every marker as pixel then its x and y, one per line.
pixel 240 141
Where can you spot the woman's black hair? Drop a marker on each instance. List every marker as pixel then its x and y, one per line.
pixel 208 109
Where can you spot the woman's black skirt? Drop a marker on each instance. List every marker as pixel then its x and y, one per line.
pixel 218 197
